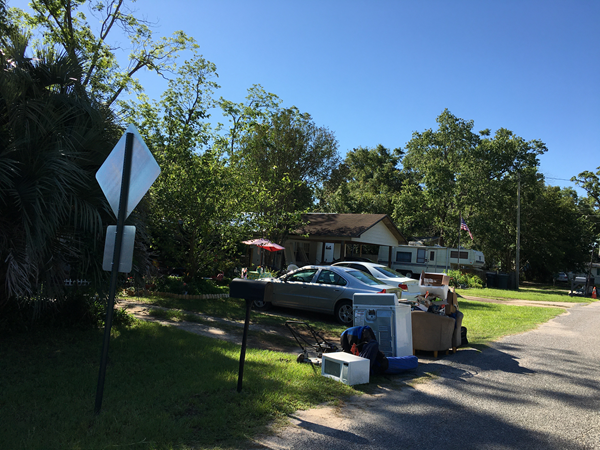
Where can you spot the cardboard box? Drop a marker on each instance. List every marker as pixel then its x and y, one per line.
pixel 434 279
pixel 434 283
pixel 451 302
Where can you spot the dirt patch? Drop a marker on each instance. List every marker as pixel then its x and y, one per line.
pixel 261 337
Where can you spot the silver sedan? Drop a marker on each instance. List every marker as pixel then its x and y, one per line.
pixel 326 289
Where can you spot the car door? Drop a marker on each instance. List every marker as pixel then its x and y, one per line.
pixel 328 287
pixel 294 291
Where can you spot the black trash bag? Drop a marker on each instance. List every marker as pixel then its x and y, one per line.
pixel 379 362
pixel 366 345
pixel 356 335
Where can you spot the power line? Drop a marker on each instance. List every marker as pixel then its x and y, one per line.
pixel 559 179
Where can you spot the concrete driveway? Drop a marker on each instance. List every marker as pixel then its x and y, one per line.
pixel 536 390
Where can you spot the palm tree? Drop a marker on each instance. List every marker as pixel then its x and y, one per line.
pixel 53 138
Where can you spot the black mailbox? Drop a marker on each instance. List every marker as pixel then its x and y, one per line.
pixel 251 289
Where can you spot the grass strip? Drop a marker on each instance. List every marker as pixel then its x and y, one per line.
pixel 545 294
pixel 487 322
pixel 165 389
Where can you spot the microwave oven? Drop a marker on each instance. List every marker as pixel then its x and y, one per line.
pixel 345 367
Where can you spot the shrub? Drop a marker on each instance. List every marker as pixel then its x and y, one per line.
pixel 74 310
pixel 197 286
pixel 458 279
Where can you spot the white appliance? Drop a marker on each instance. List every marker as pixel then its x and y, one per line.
pixel 345 367
pixel 389 319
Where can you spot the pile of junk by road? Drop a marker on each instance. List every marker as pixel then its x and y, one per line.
pixel 387 331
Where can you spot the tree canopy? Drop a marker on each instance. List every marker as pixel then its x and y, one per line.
pixel 64 26
pixel 53 138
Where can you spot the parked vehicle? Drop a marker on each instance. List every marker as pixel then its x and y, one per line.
pixel 562 277
pixel 409 286
pixel 327 289
pixel 414 258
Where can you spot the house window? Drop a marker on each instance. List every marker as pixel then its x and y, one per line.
pixel 403 257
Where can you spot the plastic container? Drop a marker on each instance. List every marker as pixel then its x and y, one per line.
pixel 491 280
pixel 502 281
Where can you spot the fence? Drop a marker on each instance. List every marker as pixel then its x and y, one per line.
pixel 184 296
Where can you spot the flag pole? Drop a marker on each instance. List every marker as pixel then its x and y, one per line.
pixel 459 228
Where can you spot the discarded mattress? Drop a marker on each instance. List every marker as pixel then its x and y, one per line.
pixel 399 364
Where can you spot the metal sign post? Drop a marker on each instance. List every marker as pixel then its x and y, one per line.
pixel 115 268
pixel 123 190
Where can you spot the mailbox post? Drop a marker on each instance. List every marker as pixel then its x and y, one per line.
pixel 249 290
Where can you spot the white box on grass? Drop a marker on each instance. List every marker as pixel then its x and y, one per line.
pixel 345 367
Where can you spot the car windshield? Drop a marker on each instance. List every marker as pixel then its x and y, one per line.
pixel 389 272
pixel 302 276
pixel 365 277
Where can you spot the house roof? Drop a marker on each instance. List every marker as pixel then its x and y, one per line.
pixel 346 225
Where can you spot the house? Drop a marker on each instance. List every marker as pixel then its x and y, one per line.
pixel 326 238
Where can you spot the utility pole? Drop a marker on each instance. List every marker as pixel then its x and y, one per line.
pixel 518 260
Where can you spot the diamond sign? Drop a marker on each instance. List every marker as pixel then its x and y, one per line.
pixel 144 170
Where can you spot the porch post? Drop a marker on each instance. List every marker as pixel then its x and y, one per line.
pixel 323 252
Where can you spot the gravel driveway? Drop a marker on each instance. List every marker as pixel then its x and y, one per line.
pixel 536 390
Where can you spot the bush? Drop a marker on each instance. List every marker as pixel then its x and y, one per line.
pixel 458 279
pixel 179 285
pixel 74 310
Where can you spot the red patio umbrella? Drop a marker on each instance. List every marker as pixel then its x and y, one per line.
pixel 265 243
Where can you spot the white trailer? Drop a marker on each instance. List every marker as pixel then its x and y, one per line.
pixel 416 257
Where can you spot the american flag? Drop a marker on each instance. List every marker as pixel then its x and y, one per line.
pixel 463 226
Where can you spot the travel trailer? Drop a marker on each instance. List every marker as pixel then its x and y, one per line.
pixel 415 257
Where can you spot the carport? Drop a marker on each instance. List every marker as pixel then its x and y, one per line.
pixel 326 237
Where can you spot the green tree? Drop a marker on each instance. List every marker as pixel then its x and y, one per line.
pixel 556 234
pixel 436 164
pixel 257 108
pixel 499 165
pixel 368 181
pixel 285 160
pixel 453 171
pixel 53 138
pixel 590 181
pixel 194 201
pixel 63 25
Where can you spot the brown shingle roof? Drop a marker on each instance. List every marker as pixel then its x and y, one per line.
pixel 345 225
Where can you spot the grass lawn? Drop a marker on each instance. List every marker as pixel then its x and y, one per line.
pixel 169 389
pixel 533 293
pixel 165 389
pixel 487 322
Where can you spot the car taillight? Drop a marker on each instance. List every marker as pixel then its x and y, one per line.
pixel 382 291
pixel 403 286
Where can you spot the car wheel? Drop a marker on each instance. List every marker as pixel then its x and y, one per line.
pixel 409 274
pixel 344 313
pixel 261 305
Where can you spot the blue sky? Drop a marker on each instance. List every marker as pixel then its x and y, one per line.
pixel 373 72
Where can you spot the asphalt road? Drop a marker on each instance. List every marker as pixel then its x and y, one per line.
pixel 536 390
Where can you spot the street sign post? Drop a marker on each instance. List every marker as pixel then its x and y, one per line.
pixel 123 188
